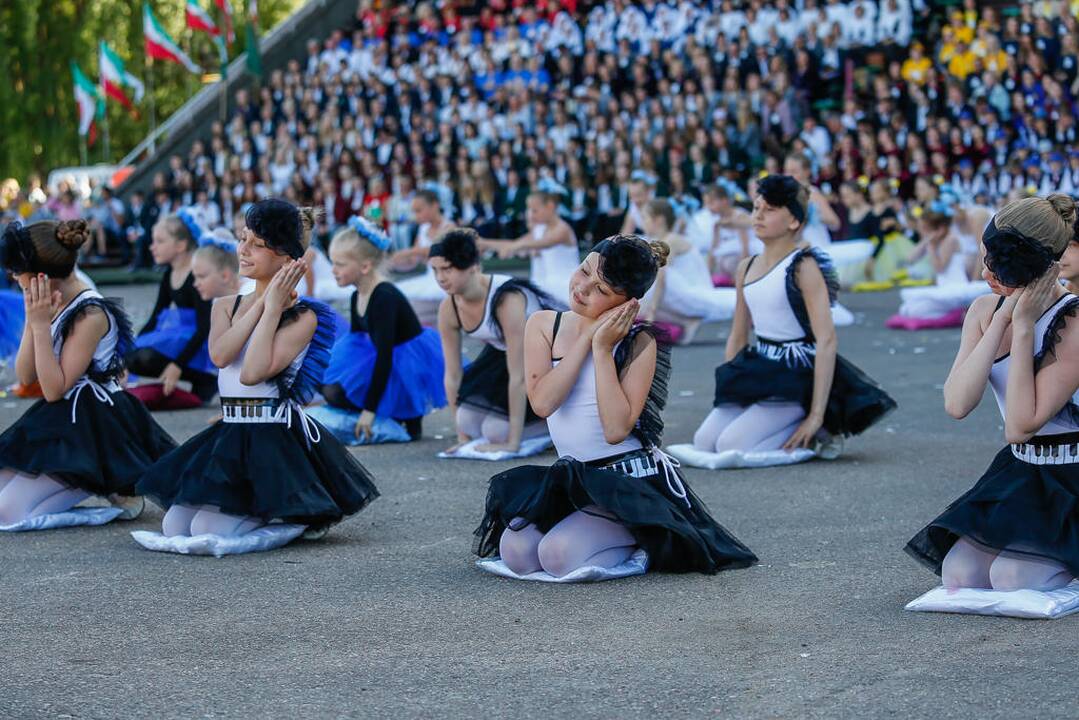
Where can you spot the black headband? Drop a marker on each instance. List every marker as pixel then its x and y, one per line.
pixel 17 249
pixel 278 224
pixel 782 191
pixel 1016 259
pixel 629 264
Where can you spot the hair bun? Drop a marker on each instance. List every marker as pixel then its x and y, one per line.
pixel 1064 206
pixel 661 251
pixel 72 234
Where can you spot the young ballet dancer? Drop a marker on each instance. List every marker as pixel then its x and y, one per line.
pixel 1017 527
pixel 423 290
pixel 601 382
pixel 172 346
pixel 86 437
pixel 683 293
pixel 388 365
pixel 488 397
pixel 265 460
pixel 938 256
pixel 215 267
pixel 790 389
pixel 550 242
pixel 12 317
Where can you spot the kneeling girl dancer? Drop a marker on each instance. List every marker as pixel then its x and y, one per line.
pixel 173 344
pixel 792 384
pixel 602 383
pixel 489 397
pixel 265 460
pixel 388 365
pixel 62 451
pixel 1018 527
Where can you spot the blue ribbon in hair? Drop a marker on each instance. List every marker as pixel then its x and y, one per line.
pixel 370 232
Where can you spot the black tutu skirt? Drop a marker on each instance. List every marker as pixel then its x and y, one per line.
pixel 854 403
pixel 677 537
pixel 105 451
pixel 1015 506
pixel 485 382
pixel 265 470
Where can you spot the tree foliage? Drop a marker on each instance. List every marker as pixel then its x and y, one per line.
pixel 38 38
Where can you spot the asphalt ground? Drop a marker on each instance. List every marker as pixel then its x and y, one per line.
pixel 389 617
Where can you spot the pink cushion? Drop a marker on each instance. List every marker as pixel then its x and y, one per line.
pixel 154 398
pixel 721 280
pixel 905 322
pixel 672 331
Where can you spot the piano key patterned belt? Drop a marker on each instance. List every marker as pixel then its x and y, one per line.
pixel 792 353
pixel 647 462
pixel 1049 450
pixel 253 410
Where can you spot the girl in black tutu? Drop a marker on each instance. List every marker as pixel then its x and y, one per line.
pixel 791 389
pixel 1018 527
pixel 601 382
pixel 388 365
pixel 265 460
pixel 173 344
pixel 86 437
pixel 488 397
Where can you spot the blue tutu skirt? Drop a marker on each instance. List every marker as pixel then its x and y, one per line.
pixel 12 316
pixel 175 326
pixel 415 387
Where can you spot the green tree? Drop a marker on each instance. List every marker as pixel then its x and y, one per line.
pixel 38 38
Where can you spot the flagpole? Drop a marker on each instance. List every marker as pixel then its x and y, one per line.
pixel 82 150
pixel 153 106
pixel 106 147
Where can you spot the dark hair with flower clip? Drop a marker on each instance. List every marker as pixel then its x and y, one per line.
pixel 285 228
pixel 1027 236
pixel 629 263
pixel 783 191
pixel 47 246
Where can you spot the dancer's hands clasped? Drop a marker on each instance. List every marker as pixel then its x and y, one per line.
pixel 281 293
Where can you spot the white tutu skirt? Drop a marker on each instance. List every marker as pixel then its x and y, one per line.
pixel 939 300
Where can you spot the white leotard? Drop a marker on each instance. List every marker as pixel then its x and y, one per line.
pixel 770 309
pixel 553 266
pixel 486 332
pixel 106 346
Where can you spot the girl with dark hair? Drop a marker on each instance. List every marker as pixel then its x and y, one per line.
pixel 265 460
pixel 388 365
pixel 791 389
pixel 601 382
pixel 1018 527
pixel 86 437
pixel 172 346
pixel 488 398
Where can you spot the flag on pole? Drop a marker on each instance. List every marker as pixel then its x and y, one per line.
pixel 225 6
pixel 159 45
pixel 199 19
pixel 114 78
pixel 87 98
pixel 254 57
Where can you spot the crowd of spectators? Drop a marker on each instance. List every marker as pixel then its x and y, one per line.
pixel 481 101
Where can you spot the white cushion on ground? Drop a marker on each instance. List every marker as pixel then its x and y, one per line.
pixel 1032 604
pixel 841 316
pixel 264 538
pixel 69 518
pixel 729 459
pixel 342 423
pixel 532 446
pixel 637 564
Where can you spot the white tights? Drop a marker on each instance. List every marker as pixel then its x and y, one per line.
pixel 26 496
pixel 764 426
pixel 580 539
pixel 205 520
pixel 972 565
pixel 491 427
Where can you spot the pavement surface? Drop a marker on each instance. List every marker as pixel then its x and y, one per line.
pixel 389 617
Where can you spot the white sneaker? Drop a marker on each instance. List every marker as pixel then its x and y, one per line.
pixel 132 506
pixel 315 533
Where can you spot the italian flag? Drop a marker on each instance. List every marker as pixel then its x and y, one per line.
pixel 225 6
pixel 159 45
pixel 199 19
pixel 114 78
pixel 86 97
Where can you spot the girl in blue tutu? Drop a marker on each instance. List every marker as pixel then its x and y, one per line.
pixel 172 346
pixel 265 460
pixel 11 322
pixel 86 437
pixel 388 365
